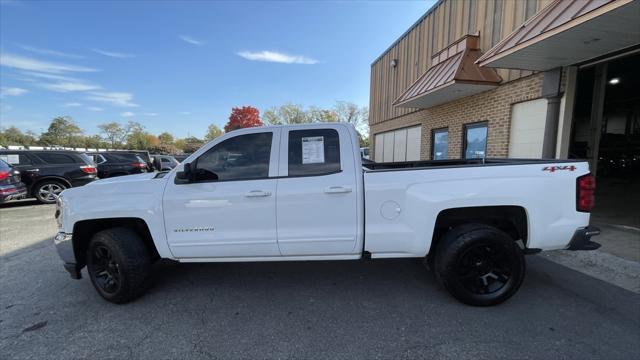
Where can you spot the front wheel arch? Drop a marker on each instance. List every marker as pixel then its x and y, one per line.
pixel 84 230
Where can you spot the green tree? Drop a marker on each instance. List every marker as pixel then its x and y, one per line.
pixel 316 114
pixel 137 138
pixel 192 144
pixel 165 138
pixel 351 113
pixel 63 131
pixel 14 136
pixel 286 114
pixel 213 131
pixel 114 133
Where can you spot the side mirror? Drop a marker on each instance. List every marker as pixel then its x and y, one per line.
pixel 186 173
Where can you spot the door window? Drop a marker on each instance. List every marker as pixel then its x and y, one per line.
pixel 314 152
pixel 440 143
pixel 475 144
pixel 54 158
pixel 243 157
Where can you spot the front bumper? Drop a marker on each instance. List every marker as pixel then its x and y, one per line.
pixel 581 239
pixel 64 246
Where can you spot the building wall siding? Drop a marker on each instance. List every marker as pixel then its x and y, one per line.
pixel 493 106
pixel 446 22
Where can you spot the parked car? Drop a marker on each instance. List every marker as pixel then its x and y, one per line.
pixel 364 153
pixel 181 157
pixel 164 162
pixel 144 155
pixel 112 164
pixel 300 192
pixel 11 188
pixel 47 173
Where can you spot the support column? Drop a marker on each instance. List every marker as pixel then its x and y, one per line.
pixel 551 91
pixel 597 111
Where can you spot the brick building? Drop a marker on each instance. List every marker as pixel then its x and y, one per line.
pixel 511 78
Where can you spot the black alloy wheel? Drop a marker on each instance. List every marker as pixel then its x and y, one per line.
pixel 105 270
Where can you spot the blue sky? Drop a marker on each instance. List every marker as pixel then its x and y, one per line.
pixel 179 66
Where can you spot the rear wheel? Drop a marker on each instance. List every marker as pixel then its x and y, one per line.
pixel 119 265
pixel 479 265
pixel 48 191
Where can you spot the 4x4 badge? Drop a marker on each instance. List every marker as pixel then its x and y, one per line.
pixel 558 168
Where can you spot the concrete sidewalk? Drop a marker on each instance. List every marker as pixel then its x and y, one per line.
pixel 616 262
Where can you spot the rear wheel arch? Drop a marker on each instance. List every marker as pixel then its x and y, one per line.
pixel 84 230
pixel 512 220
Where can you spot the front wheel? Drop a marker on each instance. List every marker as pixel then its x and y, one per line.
pixel 119 264
pixel 479 265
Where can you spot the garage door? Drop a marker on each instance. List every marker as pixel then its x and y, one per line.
pixel 398 145
pixel 527 129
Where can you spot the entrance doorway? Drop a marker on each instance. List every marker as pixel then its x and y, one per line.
pixel 606 130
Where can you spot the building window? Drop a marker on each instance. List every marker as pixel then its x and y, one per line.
pixel 439 143
pixel 475 140
pixel 398 145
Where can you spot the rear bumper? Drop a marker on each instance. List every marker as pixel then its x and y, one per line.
pixel 581 239
pixel 12 192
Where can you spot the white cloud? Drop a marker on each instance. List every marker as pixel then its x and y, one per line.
pixel 114 98
pixel 191 40
pixel 25 63
pixel 69 86
pixel 150 114
pixel 42 51
pixel 184 113
pixel 71 104
pixel 278 57
pixel 127 114
pixel 12 91
pixel 95 108
pixel 113 54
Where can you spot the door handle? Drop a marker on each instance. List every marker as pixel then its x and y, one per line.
pixel 257 193
pixel 337 190
pixel 32 170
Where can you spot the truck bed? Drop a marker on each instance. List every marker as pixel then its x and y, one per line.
pixel 413 165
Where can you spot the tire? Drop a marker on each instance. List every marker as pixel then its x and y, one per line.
pixel 119 265
pixel 479 265
pixel 47 191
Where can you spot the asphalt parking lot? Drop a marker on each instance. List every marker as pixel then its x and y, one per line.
pixel 359 309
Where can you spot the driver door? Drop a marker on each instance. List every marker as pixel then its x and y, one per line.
pixel 228 208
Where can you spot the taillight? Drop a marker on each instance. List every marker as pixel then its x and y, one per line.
pixel 4 175
pixel 585 197
pixel 88 169
pixel 139 165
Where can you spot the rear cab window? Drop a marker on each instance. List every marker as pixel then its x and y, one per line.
pixel 313 152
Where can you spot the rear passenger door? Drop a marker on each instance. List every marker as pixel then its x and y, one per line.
pixel 317 198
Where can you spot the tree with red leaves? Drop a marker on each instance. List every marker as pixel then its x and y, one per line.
pixel 244 117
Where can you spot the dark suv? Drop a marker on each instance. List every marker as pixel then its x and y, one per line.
pixel 118 163
pixel 47 172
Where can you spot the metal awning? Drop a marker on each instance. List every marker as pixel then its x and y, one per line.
pixel 568 32
pixel 452 75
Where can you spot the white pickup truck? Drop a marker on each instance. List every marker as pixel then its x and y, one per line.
pixel 298 193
